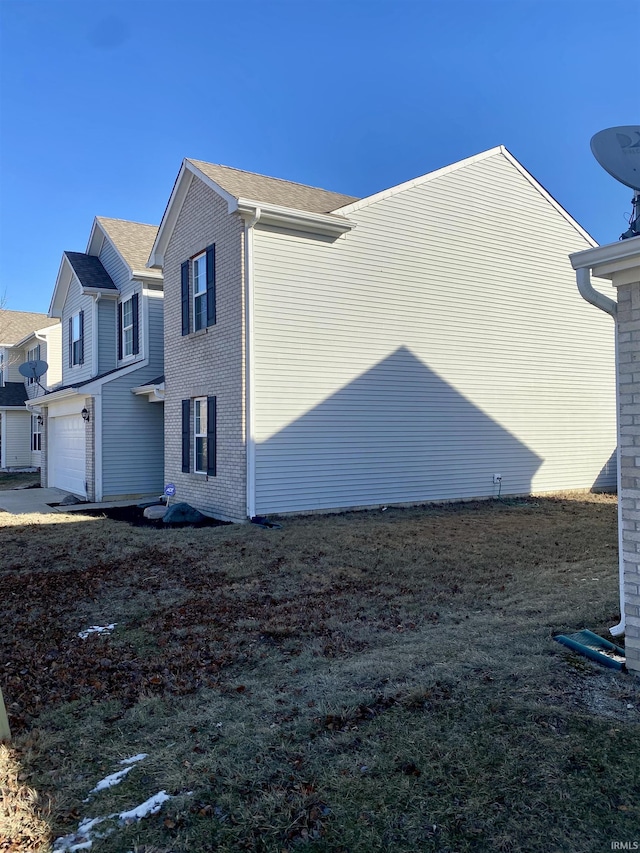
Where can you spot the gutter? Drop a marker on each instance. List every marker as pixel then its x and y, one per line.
pixel 609 306
pixel 253 216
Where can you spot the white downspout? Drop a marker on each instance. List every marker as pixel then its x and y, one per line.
pixel 248 342
pixel 610 306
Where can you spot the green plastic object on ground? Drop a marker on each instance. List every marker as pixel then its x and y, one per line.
pixel 594 647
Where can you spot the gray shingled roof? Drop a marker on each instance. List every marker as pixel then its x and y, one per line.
pixel 133 240
pixel 13 394
pixel 272 190
pixel 90 271
pixel 16 325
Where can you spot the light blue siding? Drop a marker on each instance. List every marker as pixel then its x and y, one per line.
pixel 76 301
pixel 156 333
pixel 107 335
pixel 114 265
pixel 132 438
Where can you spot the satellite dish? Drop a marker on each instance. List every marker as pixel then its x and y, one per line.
pixel 33 369
pixel 617 149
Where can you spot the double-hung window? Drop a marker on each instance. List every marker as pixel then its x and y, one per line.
pixel 76 339
pixel 198 295
pixel 128 328
pixel 199 438
pixel 36 433
pixel 200 434
pixel 200 292
pixel 33 355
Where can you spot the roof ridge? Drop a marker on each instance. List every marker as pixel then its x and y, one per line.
pixel 128 221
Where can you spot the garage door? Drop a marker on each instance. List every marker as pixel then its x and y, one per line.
pixel 66 453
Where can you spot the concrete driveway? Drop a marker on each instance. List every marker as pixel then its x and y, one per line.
pixel 22 501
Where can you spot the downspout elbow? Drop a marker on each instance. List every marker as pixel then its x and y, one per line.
pixel 593 296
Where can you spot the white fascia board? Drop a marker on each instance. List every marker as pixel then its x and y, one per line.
pixel 102 292
pixel 170 215
pixel 61 288
pixel 288 217
pixel 148 275
pixel 63 394
pixel 15 408
pixel 555 204
pixel 608 259
pixel 416 182
pixel 96 239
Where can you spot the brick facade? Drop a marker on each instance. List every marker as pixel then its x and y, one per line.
pixel 208 362
pixel 629 396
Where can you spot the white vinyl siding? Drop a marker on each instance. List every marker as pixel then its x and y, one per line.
pixel 441 341
pixel 16 439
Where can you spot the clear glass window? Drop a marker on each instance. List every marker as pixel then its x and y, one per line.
pixel 76 343
pixel 200 434
pixel 127 328
pixel 200 292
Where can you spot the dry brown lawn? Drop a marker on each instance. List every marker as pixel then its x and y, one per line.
pixel 375 681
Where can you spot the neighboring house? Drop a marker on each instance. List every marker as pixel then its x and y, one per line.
pixel 426 343
pixel 24 336
pixel 102 439
pixel 619 264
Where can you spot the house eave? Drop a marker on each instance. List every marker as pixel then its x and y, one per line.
pixel 155 393
pixel 286 217
pixel 605 261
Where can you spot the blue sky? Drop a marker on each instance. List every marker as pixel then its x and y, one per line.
pixel 100 101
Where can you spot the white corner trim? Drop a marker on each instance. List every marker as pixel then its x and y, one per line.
pixel 250 419
pixel 97 445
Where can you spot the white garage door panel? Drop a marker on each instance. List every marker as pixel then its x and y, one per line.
pixel 67 453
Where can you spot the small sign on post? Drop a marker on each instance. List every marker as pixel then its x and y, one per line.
pixel 5 731
pixel 170 491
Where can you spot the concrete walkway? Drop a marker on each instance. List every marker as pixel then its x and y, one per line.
pixel 21 501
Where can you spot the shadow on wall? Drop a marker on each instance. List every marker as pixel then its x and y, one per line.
pixel 398 433
pixel 607 479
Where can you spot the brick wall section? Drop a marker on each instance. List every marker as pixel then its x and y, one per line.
pixel 90 445
pixel 629 390
pixel 207 363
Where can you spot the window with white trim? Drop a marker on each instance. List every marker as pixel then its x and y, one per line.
pixel 76 340
pixel 127 328
pixel 33 355
pixel 200 292
pixel 200 434
pixel 36 433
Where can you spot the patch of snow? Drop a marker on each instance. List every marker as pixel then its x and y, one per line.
pixel 110 781
pixel 97 629
pixel 78 840
pixel 139 757
pixel 150 806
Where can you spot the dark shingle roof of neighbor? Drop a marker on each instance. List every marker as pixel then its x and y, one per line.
pixel 256 187
pixel 13 394
pixel 90 271
pixel 16 325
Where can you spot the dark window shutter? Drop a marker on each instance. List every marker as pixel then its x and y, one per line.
pixel 186 314
pixel 186 435
pixel 211 436
pixel 70 341
pixel 81 317
pixel 136 324
pixel 119 330
pixel 211 285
